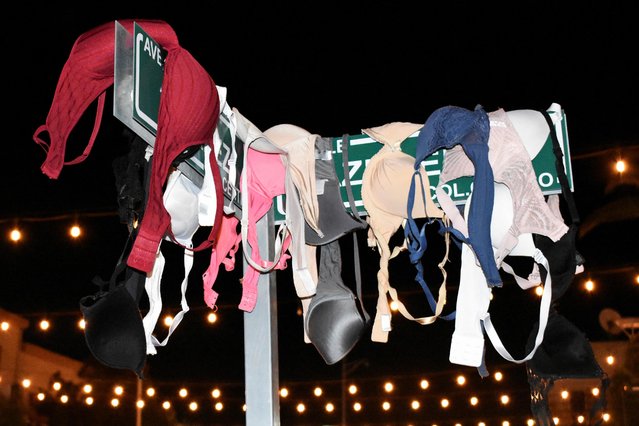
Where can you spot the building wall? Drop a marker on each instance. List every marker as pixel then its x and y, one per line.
pixel 19 360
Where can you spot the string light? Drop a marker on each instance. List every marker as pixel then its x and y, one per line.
pixel 75 231
pixel 15 235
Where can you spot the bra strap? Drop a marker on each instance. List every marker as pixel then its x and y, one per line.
pixel 561 171
pixel 356 215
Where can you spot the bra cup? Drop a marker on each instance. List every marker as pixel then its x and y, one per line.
pixel 114 331
pixel 182 203
pixel 333 322
pixel 334 326
pixel 334 221
pixel 386 185
pixel 565 352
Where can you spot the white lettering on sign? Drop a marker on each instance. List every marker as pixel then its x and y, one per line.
pixel 153 51
pixel 545 179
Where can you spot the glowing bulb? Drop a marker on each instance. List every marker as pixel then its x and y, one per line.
pixel 44 325
pixel 215 393
pixel 504 399
pixel 219 406
pixel 474 401
pixel 606 417
pixel 595 391
pixel 352 389
pixel 64 399
pixel 589 285
pixel 40 396
pixel 357 406
pixel 4 325
pixel 424 384
pixel 329 407
pixel 88 400
pixel 620 166
pixel 317 391
pixel 75 231
pixel 300 408
pixel 564 394
pixel 166 405
pixel 444 403
pixel 115 402
pixel 498 376
pixel 26 383
pixel 555 420
pixel 539 290
pixel 57 386
pixel 283 392
pixel 150 392
pixel 414 404
pixel 580 419
pixel 193 406
pixel 610 359
pixel 183 393
pixel 461 380
pixel 15 235
pixel 211 317
pixel 139 403
pixel 394 307
pixel 87 388
pixel 388 387
pixel 82 324
pixel 386 406
pixel 168 320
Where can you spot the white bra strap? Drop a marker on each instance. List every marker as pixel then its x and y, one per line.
pixel 152 286
pixel 543 317
pixel 188 264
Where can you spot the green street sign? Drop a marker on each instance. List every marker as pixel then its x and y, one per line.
pixel 148 73
pixel 362 148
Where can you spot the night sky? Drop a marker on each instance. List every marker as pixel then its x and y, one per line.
pixel 330 69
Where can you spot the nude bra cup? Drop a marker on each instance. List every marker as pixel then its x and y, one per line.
pixel 388 175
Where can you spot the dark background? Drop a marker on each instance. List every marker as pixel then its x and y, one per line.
pixel 331 69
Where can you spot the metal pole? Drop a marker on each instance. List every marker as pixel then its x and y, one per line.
pixel 260 340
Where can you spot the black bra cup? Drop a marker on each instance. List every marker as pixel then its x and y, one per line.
pixel 114 331
pixel 333 322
